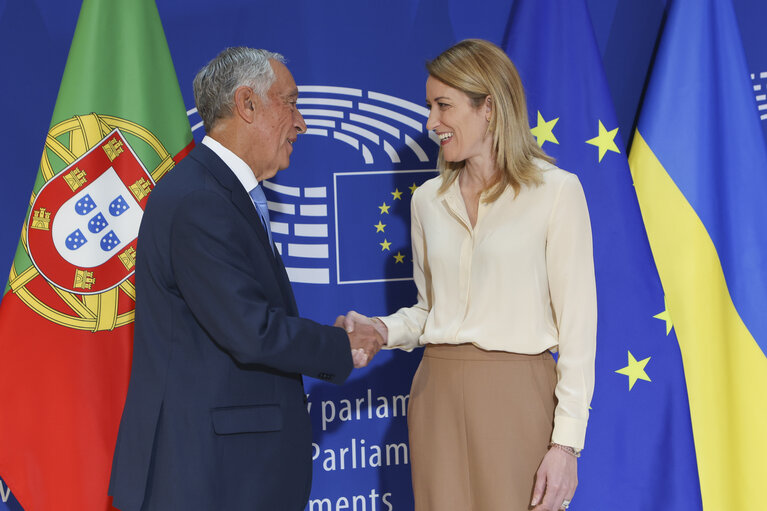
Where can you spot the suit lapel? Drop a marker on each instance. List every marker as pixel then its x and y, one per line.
pixel 244 204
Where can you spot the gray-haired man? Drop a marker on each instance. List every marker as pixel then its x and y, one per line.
pixel 216 414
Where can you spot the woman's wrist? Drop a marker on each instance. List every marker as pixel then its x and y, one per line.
pixel 572 451
pixel 382 329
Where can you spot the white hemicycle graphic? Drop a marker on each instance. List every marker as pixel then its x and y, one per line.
pixel 356 120
pixel 760 91
pixel 314 232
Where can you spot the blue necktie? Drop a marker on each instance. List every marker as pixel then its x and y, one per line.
pixel 259 199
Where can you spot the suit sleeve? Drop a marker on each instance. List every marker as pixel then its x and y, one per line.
pixel 233 294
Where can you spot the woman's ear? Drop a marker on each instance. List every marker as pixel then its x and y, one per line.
pixel 488 107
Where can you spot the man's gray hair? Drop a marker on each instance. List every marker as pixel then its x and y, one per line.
pixel 215 83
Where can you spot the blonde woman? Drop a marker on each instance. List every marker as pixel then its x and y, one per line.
pixel 503 265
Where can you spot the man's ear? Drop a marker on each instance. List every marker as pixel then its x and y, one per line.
pixel 245 103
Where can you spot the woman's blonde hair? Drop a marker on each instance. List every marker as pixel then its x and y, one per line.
pixel 481 69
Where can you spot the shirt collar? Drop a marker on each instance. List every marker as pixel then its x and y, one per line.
pixel 236 164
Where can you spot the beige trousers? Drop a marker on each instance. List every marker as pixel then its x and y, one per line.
pixel 479 423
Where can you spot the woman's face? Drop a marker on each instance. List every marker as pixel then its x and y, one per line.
pixel 461 127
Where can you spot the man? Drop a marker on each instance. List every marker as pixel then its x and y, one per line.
pixel 216 416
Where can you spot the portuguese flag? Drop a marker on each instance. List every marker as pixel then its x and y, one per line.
pixel 66 317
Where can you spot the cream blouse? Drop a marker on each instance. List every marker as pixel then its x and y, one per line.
pixel 521 280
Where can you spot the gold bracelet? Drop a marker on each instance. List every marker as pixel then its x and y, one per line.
pixel 572 451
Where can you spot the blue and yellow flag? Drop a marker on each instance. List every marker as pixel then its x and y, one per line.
pixel 700 168
pixel 639 453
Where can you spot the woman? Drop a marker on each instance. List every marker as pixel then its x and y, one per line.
pixel 504 269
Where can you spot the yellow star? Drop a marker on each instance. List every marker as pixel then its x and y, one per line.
pixel 397 194
pixel 635 370
pixel 605 141
pixel 412 188
pixel 665 316
pixel 543 132
pixel 379 226
pixel 385 245
pixel 384 208
pixel 399 258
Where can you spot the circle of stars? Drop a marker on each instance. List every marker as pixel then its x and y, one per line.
pixel 399 257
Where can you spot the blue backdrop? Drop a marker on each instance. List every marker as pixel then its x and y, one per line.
pixel 360 67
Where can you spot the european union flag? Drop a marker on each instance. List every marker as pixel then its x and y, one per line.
pixel 639 451
pixel 700 181
pixel 373 224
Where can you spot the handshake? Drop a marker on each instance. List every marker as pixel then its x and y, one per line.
pixel 366 336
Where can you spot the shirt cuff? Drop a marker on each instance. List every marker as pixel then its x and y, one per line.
pixel 569 431
pixel 399 335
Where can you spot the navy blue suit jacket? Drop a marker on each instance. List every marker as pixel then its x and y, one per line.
pixel 215 416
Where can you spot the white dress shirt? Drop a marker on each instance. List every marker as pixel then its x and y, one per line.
pixel 521 280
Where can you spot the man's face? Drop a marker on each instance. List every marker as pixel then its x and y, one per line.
pixel 277 125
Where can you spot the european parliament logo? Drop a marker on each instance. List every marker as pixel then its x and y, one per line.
pixel 342 215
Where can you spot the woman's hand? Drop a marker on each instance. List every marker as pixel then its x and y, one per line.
pixel 555 481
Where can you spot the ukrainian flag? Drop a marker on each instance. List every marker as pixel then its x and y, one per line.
pixel 699 165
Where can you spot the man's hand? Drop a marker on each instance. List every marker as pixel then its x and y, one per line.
pixel 365 337
pixel 555 481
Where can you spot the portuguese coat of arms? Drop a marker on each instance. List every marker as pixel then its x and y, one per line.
pixel 84 223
